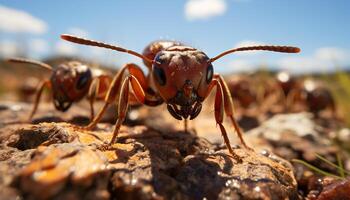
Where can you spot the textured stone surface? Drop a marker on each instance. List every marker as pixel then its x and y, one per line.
pixel 158 160
pixel 299 136
pixel 57 160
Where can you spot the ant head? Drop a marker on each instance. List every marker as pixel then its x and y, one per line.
pixel 182 75
pixel 153 48
pixel 70 82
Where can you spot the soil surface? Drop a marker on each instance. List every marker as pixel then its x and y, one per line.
pixel 52 159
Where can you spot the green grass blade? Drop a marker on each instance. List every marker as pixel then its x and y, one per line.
pixel 341 166
pixel 338 167
pixel 320 171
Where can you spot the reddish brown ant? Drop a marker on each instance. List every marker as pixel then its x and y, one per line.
pixel 314 95
pixel 69 83
pixel 286 82
pixel 27 89
pixel 180 76
pixel 241 90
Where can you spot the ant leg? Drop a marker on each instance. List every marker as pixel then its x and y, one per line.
pixel 219 114
pixel 93 92
pixel 114 90
pixel 228 105
pixel 44 84
pixel 123 102
pixel 98 89
pixel 295 96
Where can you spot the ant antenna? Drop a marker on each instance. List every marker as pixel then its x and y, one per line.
pixel 79 40
pixel 29 61
pixel 282 49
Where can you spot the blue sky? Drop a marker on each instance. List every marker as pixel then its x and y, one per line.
pixel 320 28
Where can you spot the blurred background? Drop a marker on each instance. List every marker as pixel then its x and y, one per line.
pixel 320 28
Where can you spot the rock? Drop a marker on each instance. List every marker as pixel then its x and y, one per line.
pixel 336 190
pixel 11 161
pixel 79 113
pixel 63 162
pixel 64 171
pixel 298 136
pixel 294 136
pixel 329 188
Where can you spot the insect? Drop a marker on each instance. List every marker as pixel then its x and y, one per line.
pixel 276 91
pixel 69 83
pixel 179 76
pixel 27 88
pixel 241 88
pixel 314 95
pixel 286 82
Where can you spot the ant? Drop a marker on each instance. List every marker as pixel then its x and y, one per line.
pixel 286 82
pixel 180 76
pixel 241 89
pixel 277 89
pixel 314 95
pixel 69 82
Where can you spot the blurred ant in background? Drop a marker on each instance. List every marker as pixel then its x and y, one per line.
pixel 292 92
pixel 27 89
pixel 277 90
pixel 69 83
pixel 242 91
pixel 286 82
pixel 180 76
pixel 314 95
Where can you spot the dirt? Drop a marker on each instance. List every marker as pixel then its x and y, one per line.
pixel 58 160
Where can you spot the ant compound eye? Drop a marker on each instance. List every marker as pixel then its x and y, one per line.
pixel 210 72
pixel 159 75
pixel 83 80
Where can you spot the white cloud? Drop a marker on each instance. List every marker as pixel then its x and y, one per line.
pixel 302 64
pixel 245 43
pixel 204 9
pixel 332 54
pixel 39 46
pixel 17 21
pixel 65 48
pixel 8 48
pixel 78 32
pixel 242 65
pixel 324 59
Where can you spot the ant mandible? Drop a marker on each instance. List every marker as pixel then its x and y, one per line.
pixel 69 82
pixel 180 76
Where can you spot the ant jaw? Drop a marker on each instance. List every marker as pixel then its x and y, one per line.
pixel 183 112
pixel 186 103
pixel 62 106
pixel 62 103
pixel 173 111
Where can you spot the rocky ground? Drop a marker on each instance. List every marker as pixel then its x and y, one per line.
pixel 155 159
